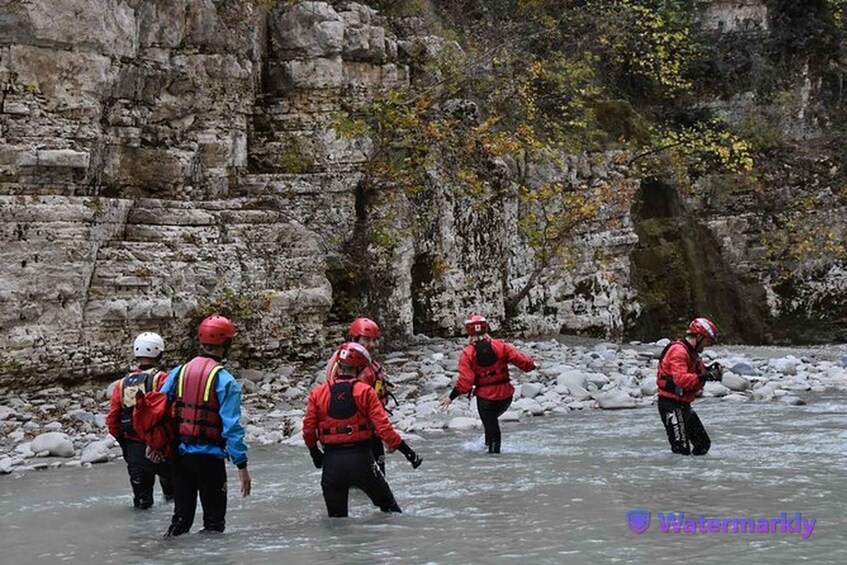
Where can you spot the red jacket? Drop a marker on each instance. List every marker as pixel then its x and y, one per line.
pixel 681 362
pixel 370 410
pixel 472 377
pixel 113 418
pixel 154 419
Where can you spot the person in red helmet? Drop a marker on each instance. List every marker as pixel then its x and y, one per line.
pixel 484 370
pixel 680 377
pixel 344 415
pixel 147 349
pixel 365 332
pixel 208 415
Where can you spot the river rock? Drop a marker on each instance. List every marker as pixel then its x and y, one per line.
pixel 597 379
pixel 530 390
pixel 744 369
pixel 792 400
pixel 6 465
pixel 571 378
pixel 765 392
pixel 529 406
pixel 510 416
pixel 96 452
pixel 785 365
pixel 649 386
pixel 716 389
pixel 436 383
pixel 57 443
pixel 734 382
pixel 463 423
pixel 614 400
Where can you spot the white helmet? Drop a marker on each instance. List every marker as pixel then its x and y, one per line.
pixel 148 344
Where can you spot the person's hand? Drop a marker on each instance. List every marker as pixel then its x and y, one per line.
pixel 154 455
pixel 410 455
pixel 713 373
pixel 716 369
pixel 246 483
pixel 317 456
pixel 445 402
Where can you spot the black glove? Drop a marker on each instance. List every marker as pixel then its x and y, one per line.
pixel 317 456
pixel 410 455
pixel 714 372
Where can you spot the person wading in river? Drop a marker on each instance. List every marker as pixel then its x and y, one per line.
pixel 680 376
pixel 484 370
pixel 344 415
pixel 147 348
pixel 208 416
pixel 365 332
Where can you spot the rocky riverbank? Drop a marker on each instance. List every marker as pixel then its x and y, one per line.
pixel 57 427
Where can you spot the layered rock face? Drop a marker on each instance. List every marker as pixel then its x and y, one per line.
pixel 161 160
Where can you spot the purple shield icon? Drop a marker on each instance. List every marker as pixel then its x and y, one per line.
pixel 638 520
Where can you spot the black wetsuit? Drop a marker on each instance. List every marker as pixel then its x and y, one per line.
pixel 686 433
pixel 489 412
pixel 204 474
pixel 142 474
pixel 353 466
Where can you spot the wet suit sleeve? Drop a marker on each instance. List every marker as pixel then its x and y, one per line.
pixel 369 402
pixel 676 365
pixel 520 360
pixel 113 418
pixel 229 397
pixel 310 421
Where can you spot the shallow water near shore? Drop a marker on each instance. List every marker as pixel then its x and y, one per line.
pixel 559 493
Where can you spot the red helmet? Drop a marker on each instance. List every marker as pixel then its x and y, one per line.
pixel 352 358
pixel 215 330
pixel 364 327
pixel 704 327
pixel 476 324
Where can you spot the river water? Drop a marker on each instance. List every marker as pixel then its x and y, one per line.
pixel 558 494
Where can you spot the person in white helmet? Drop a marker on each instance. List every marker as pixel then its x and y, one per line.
pixel 147 376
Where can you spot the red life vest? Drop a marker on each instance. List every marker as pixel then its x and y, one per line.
pixel 490 368
pixel 344 422
pixel 666 382
pixel 136 381
pixel 197 404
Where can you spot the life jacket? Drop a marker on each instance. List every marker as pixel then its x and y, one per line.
pixel 666 382
pixel 382 386
pixel 490 370
pixel 344 423
pixel 197 406
pixel 130 385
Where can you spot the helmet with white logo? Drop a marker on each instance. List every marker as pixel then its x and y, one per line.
pixel 476 325
pixel 352 358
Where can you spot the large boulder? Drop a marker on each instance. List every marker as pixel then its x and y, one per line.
pixel 57 443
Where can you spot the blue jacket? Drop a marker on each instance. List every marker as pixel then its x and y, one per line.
pixel 228 392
